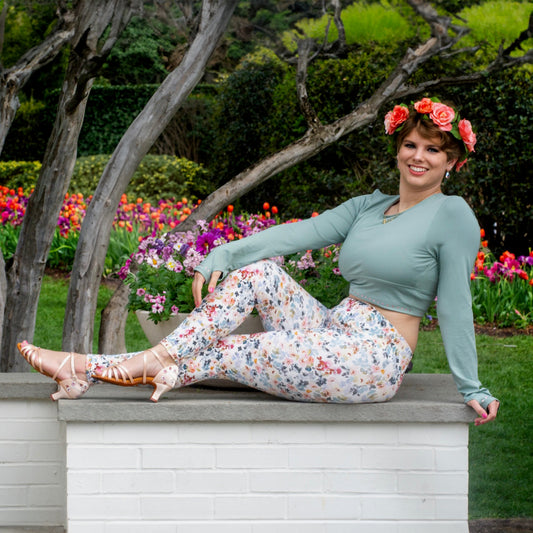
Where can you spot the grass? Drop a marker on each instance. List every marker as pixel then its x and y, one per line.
pixel 51 313
pixel 501 459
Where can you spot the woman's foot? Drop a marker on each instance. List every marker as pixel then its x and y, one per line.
pixel 154 366
pixel 67 369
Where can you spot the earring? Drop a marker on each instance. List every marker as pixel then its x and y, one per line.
pixel 447 175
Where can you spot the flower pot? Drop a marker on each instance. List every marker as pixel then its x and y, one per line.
pixel 155 332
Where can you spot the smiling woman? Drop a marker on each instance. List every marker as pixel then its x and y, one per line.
pixel 359 350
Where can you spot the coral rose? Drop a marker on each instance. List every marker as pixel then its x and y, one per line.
pixel 442 115
pixel 468 136
pixel 395 118
pixel 424 106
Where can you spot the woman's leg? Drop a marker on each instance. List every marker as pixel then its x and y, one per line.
pixel 356 357
pixel 281 302
pixel 219 314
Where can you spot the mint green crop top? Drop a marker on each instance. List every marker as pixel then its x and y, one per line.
pixel 425 252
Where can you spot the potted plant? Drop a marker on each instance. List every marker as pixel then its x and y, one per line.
pixel 160 272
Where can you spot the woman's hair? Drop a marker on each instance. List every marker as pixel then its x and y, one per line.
pixel 454 148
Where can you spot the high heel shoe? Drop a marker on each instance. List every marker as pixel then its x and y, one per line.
pixel 163 381
pixel 72 387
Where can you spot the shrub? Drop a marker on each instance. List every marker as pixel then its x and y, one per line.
pixel 496 22
pixel 499 180
pixel 157 176
pixel 14 174
pixel 33 123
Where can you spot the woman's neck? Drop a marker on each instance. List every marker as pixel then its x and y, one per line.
pixel 409 199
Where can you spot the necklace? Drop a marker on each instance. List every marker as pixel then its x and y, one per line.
pixel 390 218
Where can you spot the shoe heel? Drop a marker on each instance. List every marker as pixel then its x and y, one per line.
pixel 70 389
pixel 60 393
pixel 160 388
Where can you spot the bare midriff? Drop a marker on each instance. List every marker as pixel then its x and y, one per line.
pixel 406 325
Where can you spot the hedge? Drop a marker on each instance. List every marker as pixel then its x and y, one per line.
pixel 158 176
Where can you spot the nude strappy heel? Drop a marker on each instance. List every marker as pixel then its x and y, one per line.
pixel 72 387
pixel 164 380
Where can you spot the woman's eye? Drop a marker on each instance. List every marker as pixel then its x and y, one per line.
pixel 434 150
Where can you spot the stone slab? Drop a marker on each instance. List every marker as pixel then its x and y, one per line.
pixel 422 398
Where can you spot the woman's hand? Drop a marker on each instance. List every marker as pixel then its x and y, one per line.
pixel 486 416
pixel 198 282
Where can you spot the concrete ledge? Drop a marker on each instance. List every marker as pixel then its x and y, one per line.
pixel 423 398
pixel 32 529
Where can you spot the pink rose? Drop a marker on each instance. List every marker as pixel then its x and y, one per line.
pixel 442 115
pixel 395 118
pixel 424 106
pixel 468 136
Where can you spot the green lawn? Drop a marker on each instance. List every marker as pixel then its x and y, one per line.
pixel 501 458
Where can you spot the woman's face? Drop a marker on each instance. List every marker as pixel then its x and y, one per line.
pixel 422 164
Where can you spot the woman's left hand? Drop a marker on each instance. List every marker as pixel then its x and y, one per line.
pixel 486 416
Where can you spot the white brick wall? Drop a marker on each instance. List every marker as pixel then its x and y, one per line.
pixel 263 477
pixel 32 464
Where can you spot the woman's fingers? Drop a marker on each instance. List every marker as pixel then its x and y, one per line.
pixel 215 276
pixel 485 416
pixel 198 282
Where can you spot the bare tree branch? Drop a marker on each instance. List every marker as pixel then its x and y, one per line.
pixel 305 46
pixel 339 24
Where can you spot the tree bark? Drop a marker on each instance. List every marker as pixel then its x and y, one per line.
pixel 24 278
pixel 140 136
pixel 113 319
pixel 14 78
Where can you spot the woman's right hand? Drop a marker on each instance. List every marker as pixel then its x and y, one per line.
pixel 198 282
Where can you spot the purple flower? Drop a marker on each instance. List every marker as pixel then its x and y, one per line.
pixel 141 292
pixel 206 242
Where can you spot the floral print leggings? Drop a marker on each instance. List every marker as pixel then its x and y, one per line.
pixel 350 353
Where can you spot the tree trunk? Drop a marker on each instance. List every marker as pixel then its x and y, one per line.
pixel 140 136
pixel 14 78
pixel 25 275
pixel 114 319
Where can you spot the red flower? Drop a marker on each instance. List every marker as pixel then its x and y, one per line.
pixel 468 136
pixel 395 118
pixel 424 106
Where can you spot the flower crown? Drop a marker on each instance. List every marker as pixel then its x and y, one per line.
pixel 443 116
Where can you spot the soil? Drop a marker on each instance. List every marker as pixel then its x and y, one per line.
pixel 489 329
pixel 508 525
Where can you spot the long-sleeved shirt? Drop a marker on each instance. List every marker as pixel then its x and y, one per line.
pixel 425 252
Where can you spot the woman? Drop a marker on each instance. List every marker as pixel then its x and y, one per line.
pixel 398 253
